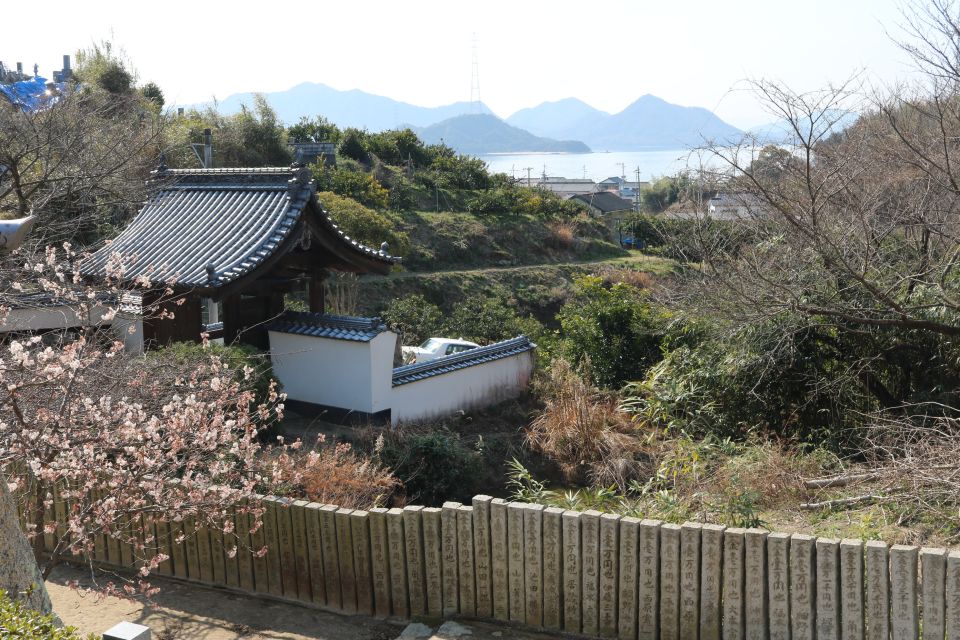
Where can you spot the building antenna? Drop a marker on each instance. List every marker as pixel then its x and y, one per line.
pixel 623 171
pixel 475 77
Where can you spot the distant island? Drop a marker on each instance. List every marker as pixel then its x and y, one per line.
pixel 483 133
pixel 648 124
pixel 564 126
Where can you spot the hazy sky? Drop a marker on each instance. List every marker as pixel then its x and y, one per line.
pixel 607 53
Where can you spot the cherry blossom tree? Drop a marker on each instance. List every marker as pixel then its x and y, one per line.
pixel 123 441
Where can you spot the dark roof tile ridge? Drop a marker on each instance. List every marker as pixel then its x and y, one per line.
pixel 331 320
pixel 492 351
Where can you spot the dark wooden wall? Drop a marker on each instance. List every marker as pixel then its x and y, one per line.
pixel 184 326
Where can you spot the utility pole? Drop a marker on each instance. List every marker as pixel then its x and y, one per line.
pixel 207 149
pixel 636 191
pixel 206 160
pixel 623 170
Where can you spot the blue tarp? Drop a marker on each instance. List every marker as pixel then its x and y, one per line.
pixel 29 95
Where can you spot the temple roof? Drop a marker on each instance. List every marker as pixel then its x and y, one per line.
pixel 207 228
pixel 327 325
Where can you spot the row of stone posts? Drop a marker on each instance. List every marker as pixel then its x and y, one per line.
pixel 586 573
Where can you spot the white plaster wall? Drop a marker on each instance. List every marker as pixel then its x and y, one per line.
pixel 59 317
pixel 336 373
pixel 381 370
pixel 477 386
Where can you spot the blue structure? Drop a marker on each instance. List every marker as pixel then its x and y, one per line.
pixel 28 95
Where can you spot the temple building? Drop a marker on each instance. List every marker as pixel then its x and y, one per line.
pixel 230 244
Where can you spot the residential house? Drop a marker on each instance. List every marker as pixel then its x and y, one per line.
pixel 567 187
pixel 605 202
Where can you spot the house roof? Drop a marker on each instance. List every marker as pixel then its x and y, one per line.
pixel 422 370
pixel 326 325
pixel 207 228
pixel 605 201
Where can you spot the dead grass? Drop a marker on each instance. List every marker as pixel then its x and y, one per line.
pixel 343 477
pixel 769 470
pixel 632 277
pixel 561 235
pixel 582 430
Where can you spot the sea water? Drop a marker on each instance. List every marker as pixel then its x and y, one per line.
pixel 599 166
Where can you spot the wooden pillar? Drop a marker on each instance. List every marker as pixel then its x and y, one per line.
pixel 315 291
pixel 231 318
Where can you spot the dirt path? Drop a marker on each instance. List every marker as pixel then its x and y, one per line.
pixel 633 259
pixel 192 612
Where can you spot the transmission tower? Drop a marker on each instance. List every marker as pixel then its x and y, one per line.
pixel 475 77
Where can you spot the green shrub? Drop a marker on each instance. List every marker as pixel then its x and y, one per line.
pixel 613 332
pixel 780 378
pixel 364 224
pixel 18 622
pixel 434 466
pixel 349 183
pixel 520 201
pixel 414 318
pixel 353 144
pixel 489 319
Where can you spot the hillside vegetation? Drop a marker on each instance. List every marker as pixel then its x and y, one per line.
pixel 722 376
pixel 452 240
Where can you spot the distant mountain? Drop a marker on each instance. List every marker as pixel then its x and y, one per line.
pixel 781 132
pixel 353 108
pixel 477 134
pixel 649 123
pixel 561 119
pixel 654 123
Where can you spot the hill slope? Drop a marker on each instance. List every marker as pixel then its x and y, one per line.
pixel 353 108
pixel 478 134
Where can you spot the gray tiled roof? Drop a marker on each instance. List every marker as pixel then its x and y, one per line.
pixel 605 201
pixel 419 371
pixel 205 228
pixel 45 299
pixel 327 325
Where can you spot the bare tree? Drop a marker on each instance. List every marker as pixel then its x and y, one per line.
pixel 77 163
pixel 857 229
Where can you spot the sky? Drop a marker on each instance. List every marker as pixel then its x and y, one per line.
pixel 608 53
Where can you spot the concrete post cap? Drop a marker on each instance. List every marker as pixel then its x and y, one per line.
pixel 127 631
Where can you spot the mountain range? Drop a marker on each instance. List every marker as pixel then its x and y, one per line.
pixel 483 133
pixel 568 125
pixel 353 108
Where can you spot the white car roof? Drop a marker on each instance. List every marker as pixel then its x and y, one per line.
pixel 456 341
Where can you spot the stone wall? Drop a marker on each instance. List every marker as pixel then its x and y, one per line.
pixel 594 574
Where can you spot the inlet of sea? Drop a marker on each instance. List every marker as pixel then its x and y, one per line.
pixel 598 165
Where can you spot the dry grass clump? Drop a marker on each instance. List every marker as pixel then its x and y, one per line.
pixel 772 473
pixel 582 430
pixel 632 277
pixel 562 234
pixel 343 477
